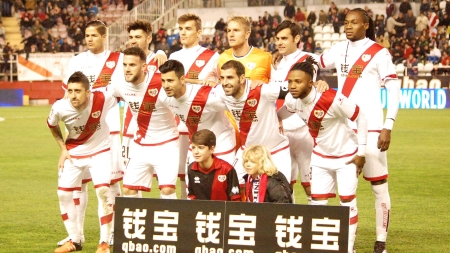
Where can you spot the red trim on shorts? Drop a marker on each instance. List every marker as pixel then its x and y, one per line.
pixel 91 155
pixel 225 152
pixel 327 195
pixel 393 76
pixel 334 157
pixel 69 189
pixel 50 126
pixel 160 143
pixel 355 114
pixel 85 181
pixel 369 131
pixel 64 216
pixel 306 183
pixel 182 176
pixel 184 133
pixel 347 197
pixel 128 135
pixel 138 188
pixel 293 182
pixel 100 185
pixel 106 219
pixel 76 201
pixel 353 220
pixel 278 150
pixel 373 179
pixel 116 180
pixel 114 132
pixel 167 186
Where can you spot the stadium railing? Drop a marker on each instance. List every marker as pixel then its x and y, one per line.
pixel 8 69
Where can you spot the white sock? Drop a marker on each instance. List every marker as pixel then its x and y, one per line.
pixel 382 210
pixel 309 199
pixel 170 196
pixel 115 191
pixel 69 214
pixel 353 223
pixel 81 200
pixel 139 194
pixel 105 213
pixel 293 195
pixel 319 202
pixel 183 189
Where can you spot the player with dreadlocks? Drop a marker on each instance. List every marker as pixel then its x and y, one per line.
pixel 339 153
pixel 363 67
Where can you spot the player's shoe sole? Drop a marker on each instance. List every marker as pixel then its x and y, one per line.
pixel 103 248
pixel 69 246
pixel 61 243
pixel 379 247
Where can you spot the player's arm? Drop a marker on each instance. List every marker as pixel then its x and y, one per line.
pixel 233 189
pixel 287 110
pixel 327 60
pixel 160 57
pixel 56 132
pixel 393 88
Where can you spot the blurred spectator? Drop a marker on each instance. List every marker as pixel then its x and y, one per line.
pixel 332 8
pixel 323 18
pixel 379 25
pixel 271 46
pixel 309 45
pixel 335 21
pixel 318 49
pixel 367 9
pixel 208 44
pixel 397 54
pixel 433 22
pixel 289 10
pixel 40 14
pixel 424 6
pixel 421 22
pixel 312 18
pixel 175 47
pixel 404 7
pixel 37 27
pixel 391 23
pixel 384 42
pixel 266 32
pixel 2 30
pixel 259 41
pixel 435 55
pixel 399 29
pixel 277 17
pixel 411 65
pixel 220 25
pixel 93 9
pixel 410 23
pixel 390 9
pixel 162 45
pixel 268 19
pixel 445 61
pixel 407 51
pixel 299 16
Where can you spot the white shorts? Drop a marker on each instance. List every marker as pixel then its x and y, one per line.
pixel 184 147
pixel 148 160
pixel 280 156
pixel 116 158
pixel 113 119
pixel 301 145
pixel 376 167
pixel 326 173
pixel 98 165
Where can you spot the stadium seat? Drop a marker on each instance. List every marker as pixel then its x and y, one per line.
pixel 342 36
pixel 428 68
pixel 208 24
pixel 318 37
pixel 341 29
pixel 326 36
pixel 120 7
pixel 334 42
pixel 326 44
pixel 421 69
pixel 112 7
pixel 327 29
pixel 318 29
pixel 326 50
pixel 400 69
pixel 335 36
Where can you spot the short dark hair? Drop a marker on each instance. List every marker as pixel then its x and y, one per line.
pixel 307 66
pixel 204 137
pixel 79 77
pixel 191 17
pixel 292 26
pixel 172 65
pixel 136 51
pixel 140 25
pixel 236 65
pixel 98 25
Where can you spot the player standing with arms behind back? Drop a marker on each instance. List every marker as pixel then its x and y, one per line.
pixel 363 66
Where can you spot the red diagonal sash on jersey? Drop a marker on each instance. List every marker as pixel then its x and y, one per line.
pixel 152 65
pixel 249 113
pixel 359 67
pixel 148 105
pixel 319 111
pixel 196 109
pixel 108 69
pixel 127 121
pixel 201 60
pixel 92 123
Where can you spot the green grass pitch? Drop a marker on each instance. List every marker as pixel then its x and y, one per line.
pixel 419 184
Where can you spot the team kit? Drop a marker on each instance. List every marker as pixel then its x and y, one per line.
pixel 240 126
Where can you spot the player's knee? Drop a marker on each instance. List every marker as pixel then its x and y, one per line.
pixel 103 192
pixel 379 182
pixel 380 189
pixel 345 201
pixel 65 196
pixel 129 192
pixel 167 190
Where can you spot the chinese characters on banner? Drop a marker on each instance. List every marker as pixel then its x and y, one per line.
pixel 156 225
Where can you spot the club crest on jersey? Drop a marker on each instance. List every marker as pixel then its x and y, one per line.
pixel 196 108
pixel 96 114
pixel 251 65
pixel 153 92
pixel 366 57
pixel 151 68
pixel 222 178
pixel 252 102
pixel 110 64
pixel 200 63
pixel 319 113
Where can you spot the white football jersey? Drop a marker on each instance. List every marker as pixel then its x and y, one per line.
pixel 366 92
pixel 75 122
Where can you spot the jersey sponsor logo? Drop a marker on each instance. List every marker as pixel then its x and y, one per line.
pixel 196 108
pixel 251 65
pixel 252 102
pixel 197 180
pixel 366 57
pixel 110 64
pixel 153 92
pixel 319 113
pixel 151 68
pixel 199 63
pixel 222 178
pixel 96 114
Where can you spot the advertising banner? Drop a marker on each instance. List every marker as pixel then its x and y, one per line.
pixel 158 225
pixel 42 66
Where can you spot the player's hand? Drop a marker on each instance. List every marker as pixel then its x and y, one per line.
pixel 160 59
pixel 321 86
pixel 62 158
pixel 276 58
pixel 384 139
pixel 256 83
pixel 359 162
pixel 209 83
